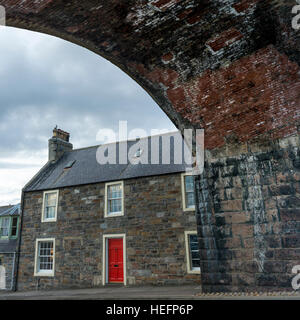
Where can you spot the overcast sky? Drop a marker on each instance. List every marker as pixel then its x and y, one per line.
pixel 46 81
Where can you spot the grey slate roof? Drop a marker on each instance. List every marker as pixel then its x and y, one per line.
pixel 86 169
pixel 8 246
pixel 10 210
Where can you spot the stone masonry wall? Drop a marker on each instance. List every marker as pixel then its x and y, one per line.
pixel 7 260
pixel 249 216
pixel 154 224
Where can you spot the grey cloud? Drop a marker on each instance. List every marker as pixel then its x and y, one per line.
pixel 46 81
pixel 8 165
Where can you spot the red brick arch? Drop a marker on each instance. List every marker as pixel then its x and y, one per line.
pixel 205 64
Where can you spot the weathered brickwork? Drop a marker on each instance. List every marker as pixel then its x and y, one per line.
pixel 232 58
pixel 258 94
pixel 249 216
pixel 154 224
pixel 7 261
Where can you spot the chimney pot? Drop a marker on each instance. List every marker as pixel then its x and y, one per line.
pixel 61 134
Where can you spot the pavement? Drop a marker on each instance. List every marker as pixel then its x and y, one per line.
pixel 142 293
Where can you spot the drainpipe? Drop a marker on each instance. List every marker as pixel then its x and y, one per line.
pixel 13 272
pixel 17 256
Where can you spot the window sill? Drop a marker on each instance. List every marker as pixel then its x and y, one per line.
pixel 194 271
pixel 8 238
pixel 44 274
pixel 49 220
pixel 115 214
pixel 189 209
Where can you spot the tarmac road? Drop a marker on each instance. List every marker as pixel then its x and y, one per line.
pixel 141 293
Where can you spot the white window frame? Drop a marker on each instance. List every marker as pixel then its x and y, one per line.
pixel 45 273
pixel 43 208
pixel 113 214
pixel 106 237
pixel 187 249
pixel 183 175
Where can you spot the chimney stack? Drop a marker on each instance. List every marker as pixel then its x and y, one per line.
pixel 59 144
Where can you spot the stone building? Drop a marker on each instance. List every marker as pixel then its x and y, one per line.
pixel 86 224
pixel 9 229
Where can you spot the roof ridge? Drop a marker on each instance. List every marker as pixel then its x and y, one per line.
pixel 84 148
pixel 129 140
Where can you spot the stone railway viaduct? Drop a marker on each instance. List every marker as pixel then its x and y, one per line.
pixel 231 67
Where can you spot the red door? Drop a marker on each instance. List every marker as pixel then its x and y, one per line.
pixel 115 260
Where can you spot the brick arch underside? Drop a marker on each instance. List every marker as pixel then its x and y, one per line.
pixel 232 68
pixel 227 67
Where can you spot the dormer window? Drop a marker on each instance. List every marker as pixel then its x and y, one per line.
pixel 9 227
pixel 50 203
